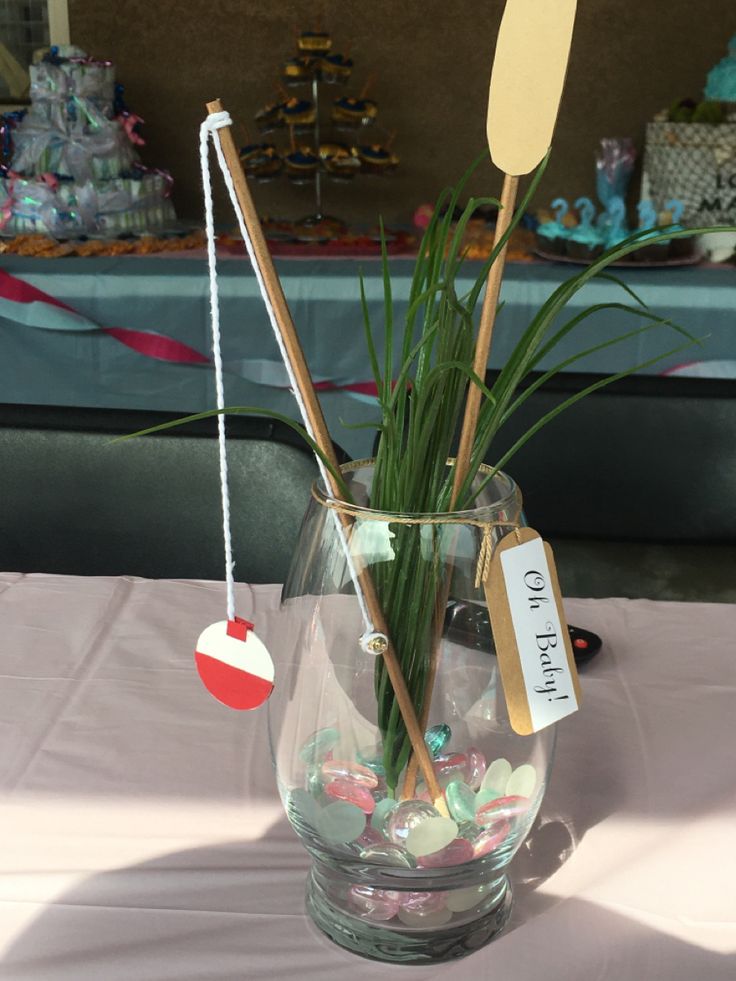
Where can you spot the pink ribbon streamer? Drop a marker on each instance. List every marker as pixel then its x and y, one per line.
pixel 130 121
pixel 146 342
pixel 149 343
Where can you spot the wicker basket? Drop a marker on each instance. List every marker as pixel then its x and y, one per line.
pixel 695 162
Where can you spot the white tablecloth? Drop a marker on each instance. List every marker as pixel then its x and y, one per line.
pixel 141 836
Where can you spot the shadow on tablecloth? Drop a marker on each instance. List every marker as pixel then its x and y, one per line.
pixel 234 912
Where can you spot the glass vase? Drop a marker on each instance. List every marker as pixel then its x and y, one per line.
pixel 395 877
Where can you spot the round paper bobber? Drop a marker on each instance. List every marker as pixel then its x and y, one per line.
pixel 234 665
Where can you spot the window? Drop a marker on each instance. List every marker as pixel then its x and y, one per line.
pixel 26 26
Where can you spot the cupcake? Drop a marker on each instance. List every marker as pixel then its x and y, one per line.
pixel 340 161
pixel 301 164
pixel 350 111
pixel 314 42
pixel 298 112
pixel 611 223
pixel 299 70
pixel 336 68
pixel 657 251
pixel 585 242
pixel 551 236
pixel 377 159
pixel 269 118
pixel 261 161
pixel 679 248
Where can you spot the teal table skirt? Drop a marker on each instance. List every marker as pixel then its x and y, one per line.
pixel 170 296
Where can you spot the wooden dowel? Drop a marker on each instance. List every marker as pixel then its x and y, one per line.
pixel 485 335
pixel 316 423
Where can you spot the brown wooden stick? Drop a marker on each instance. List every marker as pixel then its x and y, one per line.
pixel 485 334
pixel 316 422
pixel 522 109
pixel 467 436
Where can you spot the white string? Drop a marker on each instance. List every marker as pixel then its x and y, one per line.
pixel 214 121
pixel 211 124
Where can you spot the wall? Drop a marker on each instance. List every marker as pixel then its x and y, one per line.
pixel 431 60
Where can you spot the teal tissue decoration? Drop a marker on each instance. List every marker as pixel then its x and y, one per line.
pixel 614 165
pixel 721 84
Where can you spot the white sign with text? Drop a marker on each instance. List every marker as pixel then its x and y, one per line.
pixel 540 637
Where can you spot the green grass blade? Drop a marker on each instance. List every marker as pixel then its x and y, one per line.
pixel 388 313
pixel 597 308
pixel 370 343
pixel 549 416
pixel 254 410
pixel 530 389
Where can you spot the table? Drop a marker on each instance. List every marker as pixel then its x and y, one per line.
pixel 169 295
pixel 143 838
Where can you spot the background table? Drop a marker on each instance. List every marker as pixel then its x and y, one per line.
pixel 169 295
pixel 142 837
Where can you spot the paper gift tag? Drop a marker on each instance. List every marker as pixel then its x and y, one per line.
pixel 234 664
pixel 535 657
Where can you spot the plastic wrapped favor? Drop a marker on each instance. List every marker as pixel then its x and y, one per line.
pixel 65 209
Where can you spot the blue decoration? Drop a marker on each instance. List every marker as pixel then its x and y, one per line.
pixel 721 84
pixel 555 229
pixel 677 209
pixel 614 167
pixel 586 232
pixel 612 223
pixel 647 214
pixel 8 121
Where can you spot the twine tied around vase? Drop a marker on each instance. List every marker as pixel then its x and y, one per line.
pixel 449 518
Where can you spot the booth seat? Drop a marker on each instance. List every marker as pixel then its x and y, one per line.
pixel 635 487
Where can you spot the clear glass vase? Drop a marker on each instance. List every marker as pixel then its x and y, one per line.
pixel 394 878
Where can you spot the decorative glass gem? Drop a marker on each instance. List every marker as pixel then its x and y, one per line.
pixel 456 853
pixel 374 904
pixel 370 837
pixel 434 919
pixel 373 759
pixel 341 822
pixel 490 838
pixel 486 796
pixel 408 815
pixel 501 809
pixel 469 830
pixel 315 784
pixel 353 793
pixel 522 781
pixel 422 902
pixel 451 767
pixel 354 772
pixel 318 745
pixel 497 776
pixel 460 900
pixel 305 807
pixel 476 767
pixel 460 801
pixel 381 812
pixel 388 854
pixel 431 835
pixel 437 737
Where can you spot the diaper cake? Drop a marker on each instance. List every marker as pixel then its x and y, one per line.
pixel 690 151
pixel 72 168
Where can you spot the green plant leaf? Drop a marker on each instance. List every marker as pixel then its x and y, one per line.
pixel 597 308
pixel 549 416
pixel 544 377
pixel 245 410
pixel 370 343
